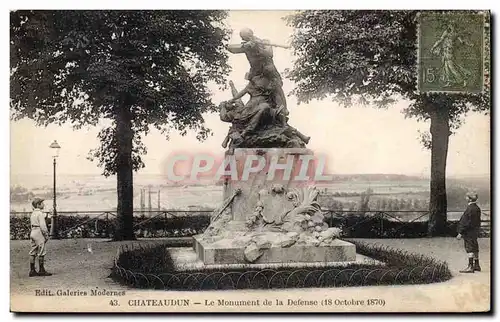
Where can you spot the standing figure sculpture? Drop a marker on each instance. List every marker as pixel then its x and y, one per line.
pixel 263 120
pixel 259 53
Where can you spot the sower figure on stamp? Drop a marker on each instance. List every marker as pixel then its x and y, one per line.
pixel 39 237
pixel 468 229
pixel 452 71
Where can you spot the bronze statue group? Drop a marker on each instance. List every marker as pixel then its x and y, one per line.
pixel 263 121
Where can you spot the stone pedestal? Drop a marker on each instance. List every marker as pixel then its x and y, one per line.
pixel 271 216
pixel 244 206
pixel 232 251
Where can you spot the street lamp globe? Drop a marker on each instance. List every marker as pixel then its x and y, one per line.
pixel 55 148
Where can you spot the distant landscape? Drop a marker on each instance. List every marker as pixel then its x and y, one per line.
pixel 345 192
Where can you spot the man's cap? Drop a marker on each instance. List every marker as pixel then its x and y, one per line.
pixel 472 196
pixel 36 202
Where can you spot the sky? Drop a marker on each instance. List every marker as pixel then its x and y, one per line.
pixel 354 140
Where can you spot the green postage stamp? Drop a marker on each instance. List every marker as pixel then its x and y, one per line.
pixel 451 52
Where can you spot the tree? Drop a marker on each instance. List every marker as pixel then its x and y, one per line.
pixel 370 57
pixel 138 69
pixel 402 204
pixel 416 204
pixel 383 204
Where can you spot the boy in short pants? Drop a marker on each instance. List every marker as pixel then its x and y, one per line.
pixel 39 237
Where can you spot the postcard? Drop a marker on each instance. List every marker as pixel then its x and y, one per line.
pixel 250 161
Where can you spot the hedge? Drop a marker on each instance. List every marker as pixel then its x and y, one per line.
pixel 360 225
pixel 352 225
pixel 181 226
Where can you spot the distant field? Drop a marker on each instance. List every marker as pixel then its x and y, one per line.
pixel 170 198
pixel 96 193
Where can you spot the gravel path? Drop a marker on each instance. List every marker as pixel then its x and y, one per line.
pixel 70 262
pixel 74 267
pixel 446 249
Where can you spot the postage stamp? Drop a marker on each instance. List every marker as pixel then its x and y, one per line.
pixel 261 190
pixel 451 52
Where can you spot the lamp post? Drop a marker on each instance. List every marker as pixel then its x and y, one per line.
pixel 53 221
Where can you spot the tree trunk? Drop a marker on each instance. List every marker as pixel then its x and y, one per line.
pixel 440 132
pixel 124 175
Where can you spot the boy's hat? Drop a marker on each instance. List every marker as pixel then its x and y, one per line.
pixel 472 196
pixel 36 202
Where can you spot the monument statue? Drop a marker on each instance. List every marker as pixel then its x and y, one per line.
pixel 260 56
pixel 263 121
pixel 266 220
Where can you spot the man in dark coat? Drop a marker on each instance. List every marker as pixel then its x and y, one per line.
pixel 468 229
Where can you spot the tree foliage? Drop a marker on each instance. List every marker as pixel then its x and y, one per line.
pixel 369 57
pixel 79 67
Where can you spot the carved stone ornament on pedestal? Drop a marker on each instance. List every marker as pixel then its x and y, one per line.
pixel 295 214
pixel 286 225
